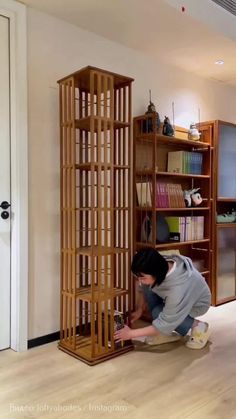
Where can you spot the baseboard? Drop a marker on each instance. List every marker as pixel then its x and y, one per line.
pixel 42 340
pixel 52 337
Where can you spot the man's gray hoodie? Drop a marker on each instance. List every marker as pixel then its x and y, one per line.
pixel 184 291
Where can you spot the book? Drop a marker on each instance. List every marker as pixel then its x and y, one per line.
pixel 171 196
pixel 144 194
pixel 117 323
pixel 158 200
pixel 162 198
pixel 176 162
pixel 180 196
pixel 176 228
pixel 146 229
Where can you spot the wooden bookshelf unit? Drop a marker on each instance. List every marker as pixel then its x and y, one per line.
pixel 224 201
pixel 95 132
pixel 158 192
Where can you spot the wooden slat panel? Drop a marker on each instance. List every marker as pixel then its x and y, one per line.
pixel 124 103
pixel 65 318
pixel 92 220
pixel 100 191
pixel 70 318
pixel 119 105
pixel 70 133
pixel 86 104
pixel 107 204
pixel 113 267
pixel 105 100
pixel 81 99
pixel 99 98
pixel 61 207
pixel 131 203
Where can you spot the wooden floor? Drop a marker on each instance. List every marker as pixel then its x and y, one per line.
pixel 169 382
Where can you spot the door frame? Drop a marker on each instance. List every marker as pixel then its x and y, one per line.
pixel 16 13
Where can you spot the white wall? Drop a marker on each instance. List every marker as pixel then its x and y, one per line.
pixel 55 49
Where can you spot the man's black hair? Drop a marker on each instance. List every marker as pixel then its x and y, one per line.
pixel 149 261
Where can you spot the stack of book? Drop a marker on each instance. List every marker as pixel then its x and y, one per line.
pixel 169 195
pixel 185 162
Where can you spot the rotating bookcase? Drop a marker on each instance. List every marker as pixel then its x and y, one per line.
pixel 95 131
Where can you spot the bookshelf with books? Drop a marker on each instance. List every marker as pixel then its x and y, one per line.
pixel 165 167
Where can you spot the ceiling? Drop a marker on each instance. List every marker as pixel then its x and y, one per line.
pixel 192 39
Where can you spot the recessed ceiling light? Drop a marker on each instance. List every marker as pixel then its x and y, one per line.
pixel 219 62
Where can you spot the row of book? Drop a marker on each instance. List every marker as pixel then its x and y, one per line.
pixel 173 229
pixel 168 195
pixel 185 162
pixel 185 228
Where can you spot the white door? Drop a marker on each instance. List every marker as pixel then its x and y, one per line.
pixel 5 224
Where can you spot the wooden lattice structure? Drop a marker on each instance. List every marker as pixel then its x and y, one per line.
pixel 95 131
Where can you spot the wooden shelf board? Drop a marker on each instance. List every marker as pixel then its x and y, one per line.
pixel 183 175
pixel 144 209
pixel 151 137
pixel 171 244
pixel 226 199
pixel 97 166
pixel 86 293
pixel 145 172
pixel 98 209
pixel 85 123
pixel 150 172
pixel 84 353
pixel 89 251
pixel 184 209
pixel 225 225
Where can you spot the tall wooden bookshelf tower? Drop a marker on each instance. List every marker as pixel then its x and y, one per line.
pixel 95 131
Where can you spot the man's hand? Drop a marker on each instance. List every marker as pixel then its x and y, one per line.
pixel 136 315
pixel 123 334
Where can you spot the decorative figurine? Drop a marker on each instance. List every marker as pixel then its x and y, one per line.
pixel 193 133
pixel 225 218
pixel 148 123
pixel 192 197
pixel 167 128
